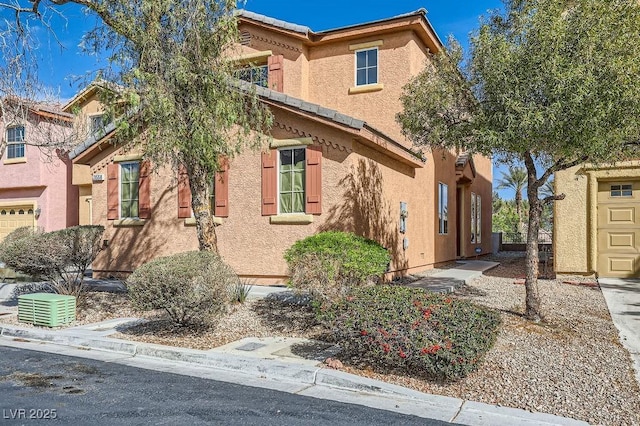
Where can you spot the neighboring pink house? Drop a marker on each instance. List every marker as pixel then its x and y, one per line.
pixel 35 177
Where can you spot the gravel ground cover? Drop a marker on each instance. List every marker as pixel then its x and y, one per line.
pixel 570 365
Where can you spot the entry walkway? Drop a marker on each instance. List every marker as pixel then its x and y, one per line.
pixel 447 280
pixel 623 300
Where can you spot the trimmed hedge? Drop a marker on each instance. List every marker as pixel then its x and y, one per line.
pixel 330 263
pixel 193 288
pixel 423 334
pixel 60 257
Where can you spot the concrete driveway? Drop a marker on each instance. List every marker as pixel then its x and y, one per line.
pixel 623 299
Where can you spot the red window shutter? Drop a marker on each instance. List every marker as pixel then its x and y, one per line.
pixel 222 189
pixel 313 178
pixel 184 194
pixel 269 183
pixel 113 192
pixel 144 194
pixel 276 72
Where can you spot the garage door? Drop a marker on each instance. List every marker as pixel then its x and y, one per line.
pixel 15 217
pixel 619 229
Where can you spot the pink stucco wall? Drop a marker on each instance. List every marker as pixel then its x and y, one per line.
pixel 44 179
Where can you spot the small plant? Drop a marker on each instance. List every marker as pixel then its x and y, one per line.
pixel 329 264
pixel 396 327
pixel 241 290
pixel 193 288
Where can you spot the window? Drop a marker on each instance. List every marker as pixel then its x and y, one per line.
pixel 129 190
pixel 292 180
pixel 97 123
pixel 366 66
pixel 473 217
pixel 476 218
pixel 255 75
pixel 443 209
pixel 625 190
pixel 15 142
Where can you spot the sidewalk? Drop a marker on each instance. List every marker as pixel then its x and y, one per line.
pixel 447 280
pixel 285 364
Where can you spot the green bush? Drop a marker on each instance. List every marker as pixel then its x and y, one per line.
pixel 60 257
pixel 330 263
pixel 423 334
pixel 192 288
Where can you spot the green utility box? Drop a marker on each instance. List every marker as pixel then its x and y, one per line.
pixel 46 309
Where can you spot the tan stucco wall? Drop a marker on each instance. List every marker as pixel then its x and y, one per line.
pixel 570 229
pixel 296 75
pixel 332 73
pixel 362 191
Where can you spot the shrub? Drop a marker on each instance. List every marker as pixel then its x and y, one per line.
pixel 192 288
pixel 241 290
pixel 424 334
pixel 328 264
pixel 60 257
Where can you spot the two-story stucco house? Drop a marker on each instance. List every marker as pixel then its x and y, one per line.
pixel 35 176
pixel 337 160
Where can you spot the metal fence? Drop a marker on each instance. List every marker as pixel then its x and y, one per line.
pixel 544 237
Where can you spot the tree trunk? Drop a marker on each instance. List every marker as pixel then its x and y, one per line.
pixel 532 299
pixel 519 212
pixel 201 205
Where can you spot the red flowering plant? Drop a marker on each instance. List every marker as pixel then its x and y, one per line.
pixel 408 329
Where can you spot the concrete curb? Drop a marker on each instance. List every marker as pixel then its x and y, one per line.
pixel 437 406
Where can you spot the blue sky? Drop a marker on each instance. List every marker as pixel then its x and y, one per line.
pixel 66 69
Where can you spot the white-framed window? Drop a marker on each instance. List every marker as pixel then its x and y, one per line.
pixel 443 208
pixel 258 75
pixel 366 66
pixel 15 142
pixel 129 190
pixel 478 219
pixel 291 180
pixel 621 190
pixel 473 217
pixel 97 123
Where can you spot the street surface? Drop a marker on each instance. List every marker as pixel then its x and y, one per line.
pixel 43 388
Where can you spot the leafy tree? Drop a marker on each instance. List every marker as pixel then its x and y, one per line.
pixel 516 180
pixel 177 100
pixel 548 82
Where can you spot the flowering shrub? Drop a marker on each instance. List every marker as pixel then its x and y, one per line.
pixel 330 263
pixel 424 334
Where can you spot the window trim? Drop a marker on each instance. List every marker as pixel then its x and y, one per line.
pixel 19 159
pixel 621 190
pixel 441 220
pixel 290 148
pixel 93 116
pixel 355 71
pixel 474 213
pixel 120 183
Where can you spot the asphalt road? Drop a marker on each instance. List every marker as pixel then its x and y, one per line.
pixel 43 388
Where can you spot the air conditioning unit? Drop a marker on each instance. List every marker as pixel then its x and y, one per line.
pixel 50 310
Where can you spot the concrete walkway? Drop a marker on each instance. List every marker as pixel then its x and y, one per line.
pixel 623 300
pixel 447 280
